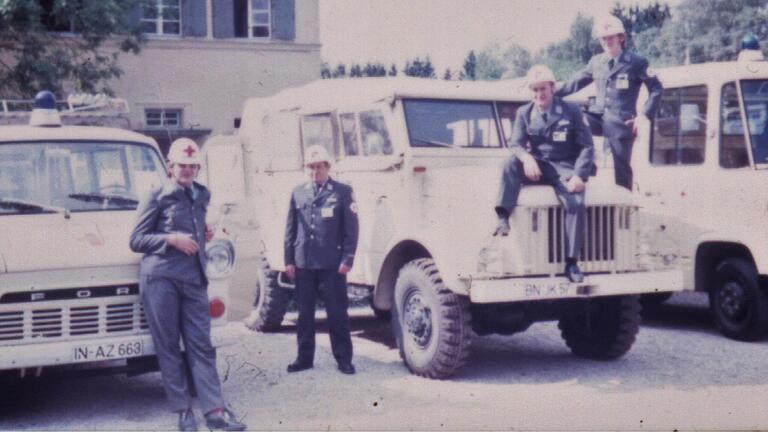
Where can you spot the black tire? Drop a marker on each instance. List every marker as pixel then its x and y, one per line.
pixel 650 302
pixel 381 314
pixel 602 328
pixel 432 324
pixel 738 304
pixel 270 301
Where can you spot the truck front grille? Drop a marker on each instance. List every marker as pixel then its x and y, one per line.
pixel 70 319
pixel 609 240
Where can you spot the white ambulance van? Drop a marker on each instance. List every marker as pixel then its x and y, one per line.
pixel 68 281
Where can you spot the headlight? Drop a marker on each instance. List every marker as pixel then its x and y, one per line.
pixel 221 259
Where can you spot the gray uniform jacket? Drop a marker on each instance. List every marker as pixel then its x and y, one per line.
pixel 617 87
pixel 564 138
pixel 321 231
pixel 169 209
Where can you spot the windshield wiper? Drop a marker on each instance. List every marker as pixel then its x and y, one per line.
pixel 99 197
pixel 432 143
pixel 31 207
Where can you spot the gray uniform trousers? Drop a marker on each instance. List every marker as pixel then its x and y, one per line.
pixel 553 174
pixel 333 287
pixel 179 309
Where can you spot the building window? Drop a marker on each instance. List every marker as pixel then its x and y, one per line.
pixel 161 17
pixel 252 19
pixel 162 118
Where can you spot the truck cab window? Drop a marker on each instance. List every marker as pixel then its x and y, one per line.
pixel 375 137
pixel 733 146
pixel 679 129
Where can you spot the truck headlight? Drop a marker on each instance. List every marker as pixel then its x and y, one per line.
pixel 221 259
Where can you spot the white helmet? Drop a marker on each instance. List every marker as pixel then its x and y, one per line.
pixel 315 154
pixel 539 73
pixel 184 151
pixel 607 26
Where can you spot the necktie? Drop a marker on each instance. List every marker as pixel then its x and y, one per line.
pixel 544 116
pixel 190 193
pixel 610 64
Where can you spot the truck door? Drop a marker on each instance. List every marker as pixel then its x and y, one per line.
pixel 674 180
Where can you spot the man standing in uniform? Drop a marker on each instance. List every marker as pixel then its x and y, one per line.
pixel 320 242
pixel 171 233
pixel 617 74
pixel 551 144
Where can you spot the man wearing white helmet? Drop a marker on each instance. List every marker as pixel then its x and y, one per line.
pixel 618 75
pixel 551 144
pixel 171 233
pixel 320 243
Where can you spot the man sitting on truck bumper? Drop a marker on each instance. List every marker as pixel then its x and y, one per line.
pixel 551 144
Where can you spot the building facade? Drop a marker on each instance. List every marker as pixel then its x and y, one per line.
pixel 203 58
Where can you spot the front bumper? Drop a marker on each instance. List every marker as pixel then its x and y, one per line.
pixel 63 353
pixel 516 289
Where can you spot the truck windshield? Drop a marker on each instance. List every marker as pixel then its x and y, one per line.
pixel 43 177
pixel 435 123
pixel 755 94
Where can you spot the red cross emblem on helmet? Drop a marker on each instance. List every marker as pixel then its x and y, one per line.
pixel 189 151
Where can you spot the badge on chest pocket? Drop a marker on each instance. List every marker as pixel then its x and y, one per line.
pixel 560 135
pixel 622 81
pixel 326 212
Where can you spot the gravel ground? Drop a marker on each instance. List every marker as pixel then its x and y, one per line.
pixel 679 374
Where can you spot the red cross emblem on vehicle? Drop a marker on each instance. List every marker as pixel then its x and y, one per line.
pixel 189 151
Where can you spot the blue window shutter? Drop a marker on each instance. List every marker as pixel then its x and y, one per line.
pixel 193 20
pixel 223 19
pixel 283 19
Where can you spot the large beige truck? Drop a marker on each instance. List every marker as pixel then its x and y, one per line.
pixel 424 159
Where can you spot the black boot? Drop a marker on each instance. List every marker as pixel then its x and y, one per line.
pixel 572 271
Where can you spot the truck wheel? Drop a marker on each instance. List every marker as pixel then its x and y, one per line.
pixel 270 301
pixel 737 302
pixel 602 328
pixel 431 324
pixel 381 314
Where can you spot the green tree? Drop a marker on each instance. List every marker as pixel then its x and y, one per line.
pixel 374 70
pixel 34 57
pixel 447 75
pixel 392 70
pixel 570 55
pixel 638 19
pixel 340 71
pixel 325 70
pixel 704 30
pixel 355 71
pixel 470 67
pixel 420 68
pixel 495 62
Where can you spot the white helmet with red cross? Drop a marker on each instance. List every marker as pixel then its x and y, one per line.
pixel 184 151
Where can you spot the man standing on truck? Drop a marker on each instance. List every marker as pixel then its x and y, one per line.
pixel 617 74
pixel 320 243
pixel 551 144
pixel 171 233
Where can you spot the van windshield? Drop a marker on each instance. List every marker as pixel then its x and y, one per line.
pixel 755 94
pixel 436 123
pixel 41 177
